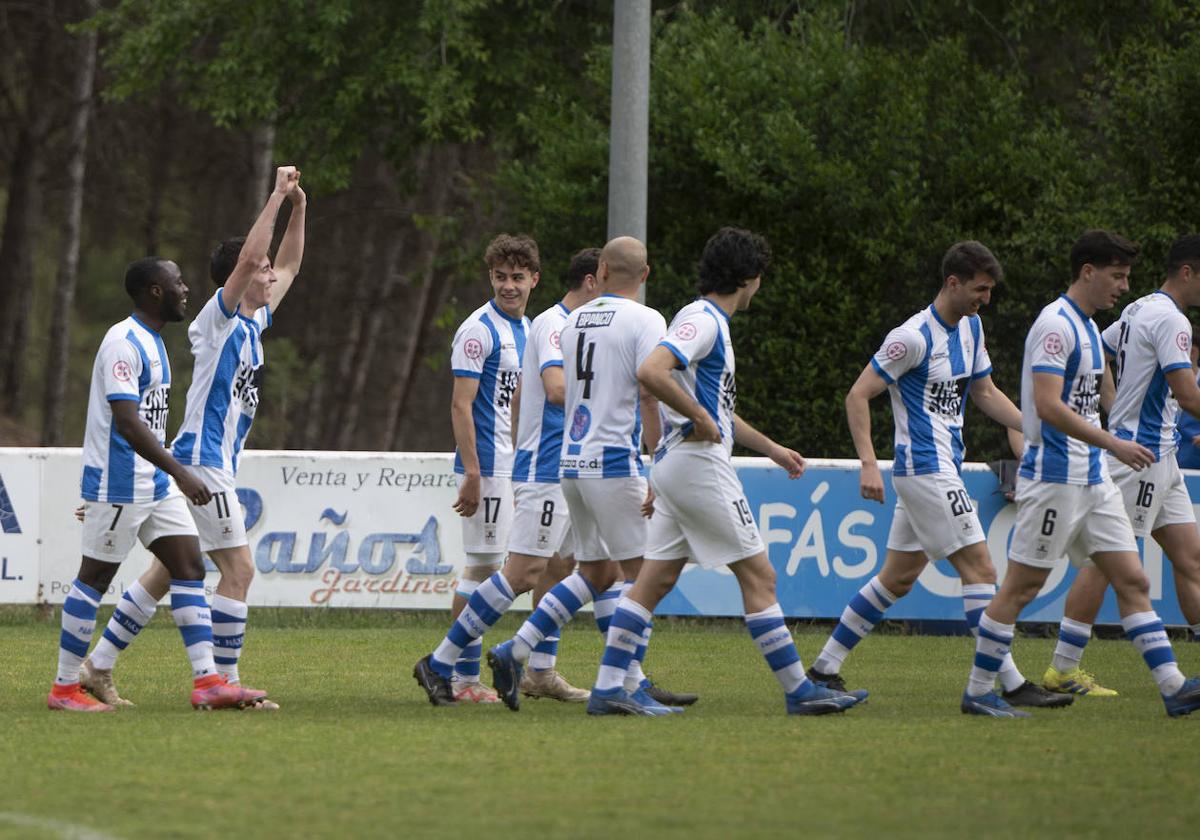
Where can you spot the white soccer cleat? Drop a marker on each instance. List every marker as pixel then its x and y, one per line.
pixel 100 685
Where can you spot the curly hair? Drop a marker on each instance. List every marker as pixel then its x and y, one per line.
pixel 517 250
pixel 732 257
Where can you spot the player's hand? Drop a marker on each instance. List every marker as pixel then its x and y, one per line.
pixel 870 483
pixel 285 178
pixel 468 496
pixel 791 460
pixel 648 503
pixel 1131 454
pixel 296 194
pixel 79 512
pixel 705 429
pixel 193 488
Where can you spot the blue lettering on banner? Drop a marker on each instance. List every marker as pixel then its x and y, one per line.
pixel 8 513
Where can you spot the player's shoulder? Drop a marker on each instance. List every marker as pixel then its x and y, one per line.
pixel 552 318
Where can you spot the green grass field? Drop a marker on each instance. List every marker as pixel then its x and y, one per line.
pixel 356 751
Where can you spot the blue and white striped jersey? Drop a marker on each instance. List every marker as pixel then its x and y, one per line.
pixel 223 396
pixel 132 365
pixel 928 366
pixel 540 424
pixel 488 346
pixel 1065 342
pixel 699 338
pixel 1151 338
pixel 603 343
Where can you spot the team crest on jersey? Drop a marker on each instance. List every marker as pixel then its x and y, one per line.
pixel 686 331
pixel 896 351
pixel 554 340
pixel 122 371
pixel 473 349
pixel 1184 341
pixel 580 423
pixel 1053 344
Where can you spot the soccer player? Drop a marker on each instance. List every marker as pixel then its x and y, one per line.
pixel 700 509
pixel 1067 503
pixel 486 360
pixel 929 364
pixel 540 520
pixel 133 489
pixel 226 340
pixel 1150 348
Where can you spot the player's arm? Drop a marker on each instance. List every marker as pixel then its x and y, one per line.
pixel 651 419
pixel 654 374
pixel 1182 382
pixel 858 417
pixel 746 435
pixel 995 403
pixel 258 240
pixel 130 426
pixel 1108 390
pixel 554 383
pixel 516 415
pixel 462 419
pixel 1047 400
pixel 291 249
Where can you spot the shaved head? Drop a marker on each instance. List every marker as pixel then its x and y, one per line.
pixel 625 261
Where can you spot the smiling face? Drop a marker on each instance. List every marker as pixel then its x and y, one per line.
pixel 258 293
pixel 970 296
pixel 512 285
pixel 174 292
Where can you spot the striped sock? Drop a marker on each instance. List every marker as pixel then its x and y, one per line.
pixel 557 607
pixel 635 676
pixel 993 643
pixel 78 625
pixel 976 597
pixel 625 634
pixel 1072 639
pixel 545 654
pixel 774 642
pixel 132 614
pixel 460 650
pixel 606 605
pixel 864 611
pixel 229 632
pixel 194 621
pixel 1148 635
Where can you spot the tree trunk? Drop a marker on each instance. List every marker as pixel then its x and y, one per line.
pixel 58 355
pixel 357 303
pixel 262 176
pixel 160 170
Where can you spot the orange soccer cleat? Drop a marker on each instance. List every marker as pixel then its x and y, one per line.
pixel 72 698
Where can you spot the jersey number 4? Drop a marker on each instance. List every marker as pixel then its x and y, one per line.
pixel 584 351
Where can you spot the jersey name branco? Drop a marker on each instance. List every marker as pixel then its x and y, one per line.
pixel 489 346
pixel 1151 338
pixel 540 422
pixel 699 338
pixel 131 364
pixel 224 394
pixel 1065 342
pixel 928 366
pixel 603 342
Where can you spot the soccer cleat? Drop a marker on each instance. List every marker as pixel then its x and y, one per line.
pixel 1034 696
pixel 551 684
pixel 263 705
pixel 646 699
pixel 665 697
pixel 819 700
pixel 437 688
pixel 100 684
pixel 211 693
pixel 72 698
pixel 618 701
pixel 1186 700
pixel 473 692
pixel 1075 681
pixel 990 705
pixel 506 675
pixel 833 681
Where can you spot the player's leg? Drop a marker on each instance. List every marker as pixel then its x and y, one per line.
pixel 1064 673
pixel 545 655
pixel 136 608
pixel 1181 543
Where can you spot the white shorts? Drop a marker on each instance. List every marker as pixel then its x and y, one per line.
pixel 220 523
pixel 110 529
pixel 933 514
pixel 1155 497
pixel 606 517
pixel 540 519
pixel 1074 520
pixel 487 530
pixel 700 509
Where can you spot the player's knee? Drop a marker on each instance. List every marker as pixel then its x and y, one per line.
pixel 899 584
pixel 1133 583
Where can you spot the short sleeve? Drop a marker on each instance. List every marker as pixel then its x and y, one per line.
pixel 901 351
pixel 1172 337
pixel 652 331
pixel 1050 342
pixel 472 345
pixel 548 345
pixel 212 322
pixel 1111 337
pixel 121 366
pixel 264 318
pixel 691 336
pixel 983 362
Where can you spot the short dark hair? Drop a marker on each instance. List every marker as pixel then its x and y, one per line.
pixel 966 259
pixel 1184 251
pixel 225 259
pixel 732 257
pixel 141 274
pixel 582 264
pixel 1102 248
pixel 520 251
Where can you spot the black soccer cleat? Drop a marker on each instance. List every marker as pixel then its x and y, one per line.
pixel 436 687
pixel 1036 697
pixel 833 681
pixel 668 698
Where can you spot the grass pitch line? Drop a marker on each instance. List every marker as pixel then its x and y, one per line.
pixel 65 830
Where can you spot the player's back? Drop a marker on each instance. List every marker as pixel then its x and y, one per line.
pixel 603 342
pixel 540 422
pixel 699 338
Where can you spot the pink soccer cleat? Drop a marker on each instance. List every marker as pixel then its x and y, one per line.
pixel 72 698
pixel 213 692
